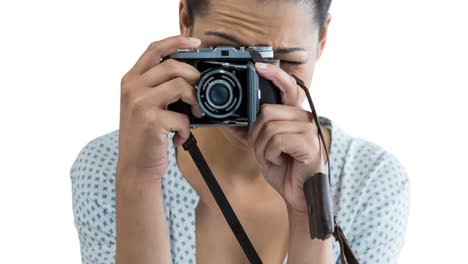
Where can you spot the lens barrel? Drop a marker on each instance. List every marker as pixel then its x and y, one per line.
pixel 219 93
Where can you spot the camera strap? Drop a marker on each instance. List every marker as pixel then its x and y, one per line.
pixel 313 191
pixel 312 188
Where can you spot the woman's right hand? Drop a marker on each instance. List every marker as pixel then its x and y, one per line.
pixel 146 91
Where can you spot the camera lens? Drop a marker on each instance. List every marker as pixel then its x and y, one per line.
pixel 219 93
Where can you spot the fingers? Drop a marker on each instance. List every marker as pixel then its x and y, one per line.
pixel 296 145
pixel 167 93
pixel 140 102
pixel 270 112
pixel 273 128
pixel 178 123
pixel 178 88
pixel 291 93
pixel 301 147
pixel 170 69
pixel 159 49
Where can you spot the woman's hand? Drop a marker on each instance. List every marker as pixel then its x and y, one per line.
pixel 145 122
pixel 147 89
pixel 284 139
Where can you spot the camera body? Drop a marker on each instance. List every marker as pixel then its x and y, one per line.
pixel 229 91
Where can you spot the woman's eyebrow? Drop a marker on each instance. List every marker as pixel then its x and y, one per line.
pixel 235 40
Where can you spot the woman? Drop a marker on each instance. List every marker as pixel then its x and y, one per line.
pixel 138 197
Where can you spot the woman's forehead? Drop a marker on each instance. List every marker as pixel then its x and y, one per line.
pixel 252 22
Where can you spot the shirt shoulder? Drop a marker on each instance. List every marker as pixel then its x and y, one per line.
pixel 370 188
pixel 359 159
pixel 94 170
pixel 92 176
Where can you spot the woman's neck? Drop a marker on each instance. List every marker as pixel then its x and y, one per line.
pixel 234 162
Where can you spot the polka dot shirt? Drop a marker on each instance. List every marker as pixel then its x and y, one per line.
pixel 370 190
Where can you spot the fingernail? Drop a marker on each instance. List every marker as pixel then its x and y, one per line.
pixel 196 111
pixel 261 66
pixel 195 41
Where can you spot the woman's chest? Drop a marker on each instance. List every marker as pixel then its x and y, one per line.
pixel 215 242
pixel 261 211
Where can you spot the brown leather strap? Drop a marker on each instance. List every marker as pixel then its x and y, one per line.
pixel 346 254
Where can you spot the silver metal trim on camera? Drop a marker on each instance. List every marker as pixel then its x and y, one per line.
pixel 265 52
pixel 235 84
pixel 219 52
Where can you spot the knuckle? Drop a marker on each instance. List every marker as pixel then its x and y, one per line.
pixel 315 142
pixel 150 121
pixel 138 105
pixel 125 79
pixel 155 48
pixel 266 107
pixel 291 79
pixel 154 45
pixel 126 85
pixel 257 150
pixel 269 128
pixel 128 77
pixel 125 94
pixel 179 82
pixel 276 140
pixel 125 90
pixel 124 98
pixel 260 118
pixel 184 120
pixel 172 64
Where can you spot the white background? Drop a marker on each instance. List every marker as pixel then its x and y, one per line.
pixel 394 72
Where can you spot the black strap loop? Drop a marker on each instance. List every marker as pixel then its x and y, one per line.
pixel 191 146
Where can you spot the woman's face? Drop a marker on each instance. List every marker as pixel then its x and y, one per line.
pixel 286 26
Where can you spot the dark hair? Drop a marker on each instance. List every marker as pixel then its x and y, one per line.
pixel 321 7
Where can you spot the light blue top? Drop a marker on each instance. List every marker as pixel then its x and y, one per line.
pixel 370 189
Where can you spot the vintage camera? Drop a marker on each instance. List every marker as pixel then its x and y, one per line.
pixel 229 91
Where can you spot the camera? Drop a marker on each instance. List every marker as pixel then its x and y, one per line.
pixel 229 92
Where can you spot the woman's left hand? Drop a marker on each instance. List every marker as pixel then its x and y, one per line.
pixel 284 139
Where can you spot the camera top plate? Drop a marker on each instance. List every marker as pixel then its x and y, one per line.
pixel 224 53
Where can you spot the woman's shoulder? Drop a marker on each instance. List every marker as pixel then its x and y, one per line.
pixel 94 170
pixel 356 156
pixel 99 156
pixel 370 189
pixel 360 168
pixel 92 177
pixel 96 161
